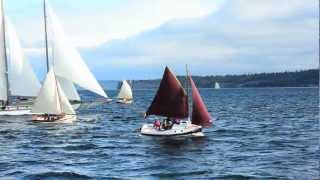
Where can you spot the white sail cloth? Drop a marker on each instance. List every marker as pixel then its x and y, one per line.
pixel 125 91
pixel 217 85
pixel 22 79
pixel 68 62
pixel 69 89
pixel 3 83
pixel 51 99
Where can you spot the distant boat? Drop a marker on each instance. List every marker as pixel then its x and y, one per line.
pixel 171 101
pixel 16 74
pixel 216 85
pixel 125 94
pixel 51 103
pixel 69 67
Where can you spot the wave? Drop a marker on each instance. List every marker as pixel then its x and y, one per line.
pixel 57 175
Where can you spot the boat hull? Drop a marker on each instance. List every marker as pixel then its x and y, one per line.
pixel 183 129
pixel 121 101
pixel 64 118
pixel 16 111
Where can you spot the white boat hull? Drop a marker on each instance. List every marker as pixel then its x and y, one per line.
pixel 121 101
pixel 181 129
pixel 16 111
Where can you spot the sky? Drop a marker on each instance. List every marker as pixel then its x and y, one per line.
pixel 126 39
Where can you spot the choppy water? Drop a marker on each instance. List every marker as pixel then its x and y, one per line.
pixel 259 133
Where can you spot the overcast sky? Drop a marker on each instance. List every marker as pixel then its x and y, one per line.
pixel 125 39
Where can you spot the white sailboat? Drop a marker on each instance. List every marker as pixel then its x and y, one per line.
pixel 216 85
pixel 16 74
pixel 69 66
pixel 51 103
pixel 125 94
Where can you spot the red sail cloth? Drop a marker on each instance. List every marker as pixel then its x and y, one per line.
pixel 200 115
pixel 171 99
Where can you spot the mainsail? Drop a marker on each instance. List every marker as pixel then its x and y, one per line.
pixel 200 115
pixel 171 99
pixel 125 91
pixel 22 79
pixel 51 99
pixel 67 61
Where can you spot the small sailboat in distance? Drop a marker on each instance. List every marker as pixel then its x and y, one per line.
pixel 51 103
pixel 216 85
pixel 171 102
pixel 125 94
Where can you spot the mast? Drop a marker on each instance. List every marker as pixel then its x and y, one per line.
pixel 46 33
pixel 5 54
pixel 187 86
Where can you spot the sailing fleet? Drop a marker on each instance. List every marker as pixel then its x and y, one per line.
pixel 22 94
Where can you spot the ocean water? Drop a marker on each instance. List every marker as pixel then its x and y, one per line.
pixel 270 133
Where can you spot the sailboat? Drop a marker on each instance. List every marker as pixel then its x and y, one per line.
pixel 69 67
pixel 51 103
pixel 171 101
pixel 125 93
pixel 17 78
pixel 216 85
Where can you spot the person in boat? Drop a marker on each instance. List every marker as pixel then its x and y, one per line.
pixel 167 123
pixel 157 124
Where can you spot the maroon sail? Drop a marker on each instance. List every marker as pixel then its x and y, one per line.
pixel 171 99
pixel 200 115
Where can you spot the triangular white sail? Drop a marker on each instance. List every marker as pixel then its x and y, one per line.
pixel 125 91
pixel 51 99
pixel 68 62
pixel 69 89
pixel 22 79
pixel 3 83
pixel 65 105
pixel 216 85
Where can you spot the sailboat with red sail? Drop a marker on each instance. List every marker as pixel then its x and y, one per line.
pixel 171 102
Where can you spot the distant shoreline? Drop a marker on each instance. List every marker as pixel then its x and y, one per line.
pixel 305 78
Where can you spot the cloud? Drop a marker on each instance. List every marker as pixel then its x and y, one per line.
pixel 283 36
pixel 136 39
pixel 91 23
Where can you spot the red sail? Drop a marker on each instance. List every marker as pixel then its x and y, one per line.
pixel 200 115
pixel 171 100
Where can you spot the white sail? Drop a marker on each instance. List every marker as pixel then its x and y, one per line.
pixel 22 79
pixel 125 91
pixel 51 99
pixel 69 89
pixel 3 84
pixel 68 62
pixel 216 85
pixel 65 105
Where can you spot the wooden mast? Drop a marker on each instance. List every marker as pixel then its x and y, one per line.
pixel 46 33
pixel 5 54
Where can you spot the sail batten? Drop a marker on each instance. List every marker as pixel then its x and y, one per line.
pixel 125 91
pixel 171 99
pixel 200 114
pixel 67 61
